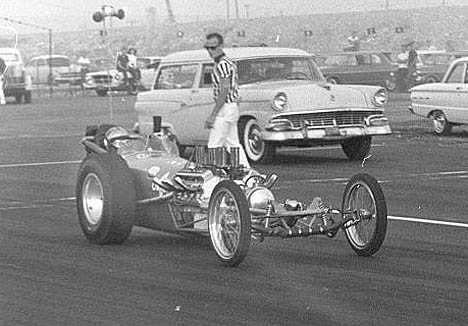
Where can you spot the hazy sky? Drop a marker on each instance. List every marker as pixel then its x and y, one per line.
pixel 64 14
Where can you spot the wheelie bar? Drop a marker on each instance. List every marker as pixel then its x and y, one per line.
pixel 295 232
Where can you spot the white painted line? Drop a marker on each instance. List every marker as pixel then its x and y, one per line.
pixel 38 136
pixel 37 164
pixel 430 176
pixel 26 207
pixel 397 218
pixel 453 172
pixel 426 221
pixel 37 203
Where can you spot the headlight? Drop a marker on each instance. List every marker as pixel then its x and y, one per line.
pixel 380 97
pixel 279 101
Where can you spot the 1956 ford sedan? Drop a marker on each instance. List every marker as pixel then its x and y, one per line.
pixel 285 101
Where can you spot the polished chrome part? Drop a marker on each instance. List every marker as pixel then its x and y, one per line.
pixel 270 181
pixel 380 97
pixel 362 201
pixel 260 197
pixel 279 101
pixel 225 224
pixel 93 199
pixel 439 122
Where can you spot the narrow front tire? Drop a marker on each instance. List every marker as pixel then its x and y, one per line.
pixel 364 196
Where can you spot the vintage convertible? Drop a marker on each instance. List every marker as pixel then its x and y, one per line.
pixel 127 179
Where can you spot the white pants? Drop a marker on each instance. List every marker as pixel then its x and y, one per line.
pixel 2 95
pixel 224 131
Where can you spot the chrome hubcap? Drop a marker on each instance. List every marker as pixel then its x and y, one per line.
pixel 439 122
pixel 255 141
pixel 93 199
pixel 361 199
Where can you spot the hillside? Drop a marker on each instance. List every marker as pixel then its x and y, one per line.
pixel 444 26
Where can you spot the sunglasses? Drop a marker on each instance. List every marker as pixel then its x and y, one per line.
pixel 211 48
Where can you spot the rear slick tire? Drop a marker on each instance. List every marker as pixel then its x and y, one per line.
pixel 105 196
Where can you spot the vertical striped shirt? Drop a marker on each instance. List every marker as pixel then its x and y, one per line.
pixel 225 68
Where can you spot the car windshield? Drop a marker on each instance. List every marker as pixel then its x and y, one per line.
pixel 58 62
pixel 289 68
pixel 434 59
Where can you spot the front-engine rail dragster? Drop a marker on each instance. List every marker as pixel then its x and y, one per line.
pixel 128 180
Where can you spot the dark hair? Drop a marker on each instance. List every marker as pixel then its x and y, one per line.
pixel 217 36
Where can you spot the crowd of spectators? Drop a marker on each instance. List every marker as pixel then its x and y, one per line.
pixel 443 27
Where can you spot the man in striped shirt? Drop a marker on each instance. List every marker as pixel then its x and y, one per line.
pixel 223 119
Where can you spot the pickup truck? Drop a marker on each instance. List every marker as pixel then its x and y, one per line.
pixel 16 82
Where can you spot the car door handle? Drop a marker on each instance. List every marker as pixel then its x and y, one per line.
pixel 183 104
pixel 459 88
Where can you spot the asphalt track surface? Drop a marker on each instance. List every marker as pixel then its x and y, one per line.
pixel 50 275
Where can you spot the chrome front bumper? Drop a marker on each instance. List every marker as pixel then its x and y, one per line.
pixel 281 130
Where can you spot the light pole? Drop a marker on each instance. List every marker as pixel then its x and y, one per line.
pixel 227 10
pixel 100 16
pixel 107 11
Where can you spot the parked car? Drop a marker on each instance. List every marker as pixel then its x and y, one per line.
pixel 16 81
pixel 363 67
pixel 285 101
pixel 109 79
pixel 446 103
pixel 55 69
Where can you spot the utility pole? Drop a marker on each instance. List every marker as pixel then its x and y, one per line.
pixel 170 13
pixel 247 11
pixel 227 10
pixel 237 8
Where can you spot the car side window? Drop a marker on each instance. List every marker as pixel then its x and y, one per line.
pixel 206 81
pixel 456 75
pixel 362 59
pixel 336 60
pixel 352 60
pixel 176 77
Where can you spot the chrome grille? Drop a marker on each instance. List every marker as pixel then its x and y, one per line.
pixel 322 119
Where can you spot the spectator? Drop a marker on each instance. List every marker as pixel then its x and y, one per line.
pixel 2 71
pixel 132 64
pixel 430 46
pixel 354 42
pixel 122 63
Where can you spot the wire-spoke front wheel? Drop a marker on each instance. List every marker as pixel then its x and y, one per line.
pixel 364 196
pixel 229 223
